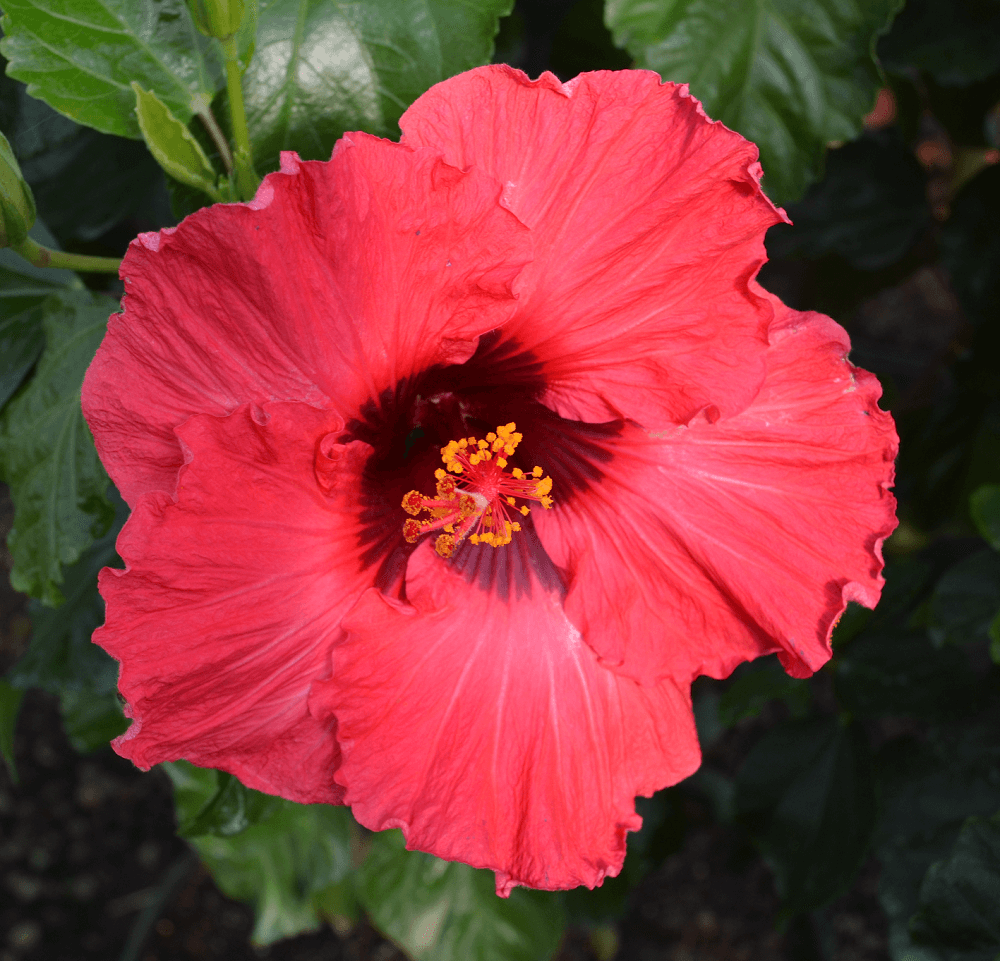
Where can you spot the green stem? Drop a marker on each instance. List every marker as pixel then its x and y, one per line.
pixel 218 137
pixel 247 180
pixel 40 256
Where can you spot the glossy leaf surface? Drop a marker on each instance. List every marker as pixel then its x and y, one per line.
pixel 440 911
pixel 292 865
pixel 81 56
pixel 790 75
pixel 322 67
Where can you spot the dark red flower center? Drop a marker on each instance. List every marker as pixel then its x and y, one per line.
pixel 409 425
pixel 475 504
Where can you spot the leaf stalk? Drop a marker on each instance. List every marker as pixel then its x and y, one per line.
pixel 39 256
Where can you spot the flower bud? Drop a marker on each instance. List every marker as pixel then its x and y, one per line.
pixel 17 205
pixel 217 18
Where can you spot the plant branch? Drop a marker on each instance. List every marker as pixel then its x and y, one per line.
pixel 40 256
pixel 247 180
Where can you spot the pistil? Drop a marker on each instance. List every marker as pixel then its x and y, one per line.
pixel 476 497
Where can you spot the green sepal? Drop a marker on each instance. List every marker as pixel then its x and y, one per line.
pixel 172 144
pixel 17 203
pixel 217 18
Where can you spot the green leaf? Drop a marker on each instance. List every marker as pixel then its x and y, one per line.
pixel 21 343
pixel 901 672
pixel 23 289
pixel 960 896
pixel 790 75
pixel 582 41
pixel 172 144
pixel 61 656
pixel 91 719
pixel 970 245
pixel 322 67
pixel 955 42
pixel 292 867
pixel 984 506
pixel 10 707
pixel 662 833
pixel 85 183
pixel 756 687
pixel 81 56
pixel 966 599
pixel 442 911
pixel 869 207
pixel 232 809
pixel 806 793
pixel 47 455
pixel 927 790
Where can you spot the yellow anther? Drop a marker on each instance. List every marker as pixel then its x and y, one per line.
pixel 475 505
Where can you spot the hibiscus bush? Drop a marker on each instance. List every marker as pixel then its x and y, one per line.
pixel 415 455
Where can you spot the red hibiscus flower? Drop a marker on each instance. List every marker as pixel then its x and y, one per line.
pixel 453 462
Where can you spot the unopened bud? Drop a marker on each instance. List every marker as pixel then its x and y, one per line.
pixel 217 18
pixel 17 205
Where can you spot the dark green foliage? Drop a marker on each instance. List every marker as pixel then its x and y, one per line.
pixel 955 41
pixel 448 912
pixel 10 706
pixel 756 687
pixel 970 246
pixel 903 673
pixel 806 793
pixel 47 455
pixel 292 861
pixel 869 207
pixel 928 788
pixel 787 74
pixel 960 896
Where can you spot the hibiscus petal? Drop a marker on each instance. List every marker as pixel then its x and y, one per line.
pixel 340 279
pixel 489 733
pixel 232 596
pixel 648 222
pixel 720 541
